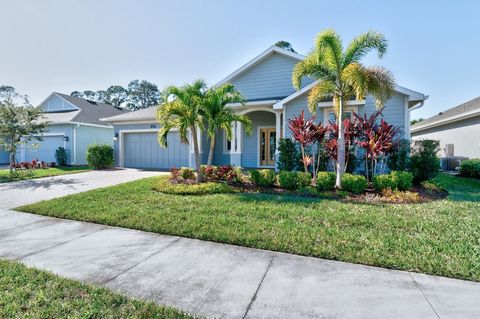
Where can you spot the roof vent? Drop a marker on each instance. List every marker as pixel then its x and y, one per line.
pixel 92 102
pixel 441 113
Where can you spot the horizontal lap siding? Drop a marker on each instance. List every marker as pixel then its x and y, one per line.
pixel 393 113
pixel 87 135
pixel 270 78
pixel 294 108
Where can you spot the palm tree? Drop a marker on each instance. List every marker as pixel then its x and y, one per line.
pixel 182 110
pixel 340 76
pixel 217 115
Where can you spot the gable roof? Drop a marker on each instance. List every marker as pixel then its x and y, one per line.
pixel 414 96
pixel 465 110
pixel 86 112
pixel 262 56
pixel 139 115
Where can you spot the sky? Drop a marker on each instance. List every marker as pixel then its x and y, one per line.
pixel 68 45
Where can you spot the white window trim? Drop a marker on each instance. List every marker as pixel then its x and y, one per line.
pixel 327 111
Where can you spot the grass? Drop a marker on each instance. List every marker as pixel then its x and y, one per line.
pixel 30 293
pixel 440 237
pixel 38 173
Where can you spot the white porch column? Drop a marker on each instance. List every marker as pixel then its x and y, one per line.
pixel 239 138
pixel 233 142
pixel 278 129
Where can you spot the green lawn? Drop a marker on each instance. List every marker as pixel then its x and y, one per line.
pixel 54 171
pixel 31 293
pixel 441 237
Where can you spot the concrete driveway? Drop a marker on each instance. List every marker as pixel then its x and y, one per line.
pixel 20 193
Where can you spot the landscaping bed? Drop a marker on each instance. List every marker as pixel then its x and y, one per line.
pixel 30 293
pixel 29 173
pixel 437 237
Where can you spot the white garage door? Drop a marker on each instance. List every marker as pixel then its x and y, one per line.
pixel 46 148
pixel 141 150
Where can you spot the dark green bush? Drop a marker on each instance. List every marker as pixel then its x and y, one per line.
pixel 470 168
pixel 304 179
pixel 186 173
pixel 325 181
pixel 263 177
pixel 165 186
pixel 354 183
pixel 100 156
pixel 424 163
pixel 398 159
pixel 288 180
pixel 61 156
pixel 404 180
pixel 288 155
pixel 384 181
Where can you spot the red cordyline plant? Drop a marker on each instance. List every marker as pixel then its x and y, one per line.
pixel 303 131
pixel 351 132
pixel 378 140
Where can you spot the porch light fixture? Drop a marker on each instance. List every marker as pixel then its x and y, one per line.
pixel 115 137
pixel 65 138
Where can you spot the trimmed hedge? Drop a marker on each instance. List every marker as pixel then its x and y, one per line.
pixel 325 181
pixel 288 180
pixel 404 180
pixel 395 180
pixel 263 177
pixel 166 187
pixel 304 179
pixel 470 168
pixel 354 183
pixel 100 156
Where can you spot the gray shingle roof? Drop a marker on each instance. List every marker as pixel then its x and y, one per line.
pixel 466 107
pixel 143 114
pixel 89 112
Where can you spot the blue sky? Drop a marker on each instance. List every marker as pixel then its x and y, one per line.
pixel 68 45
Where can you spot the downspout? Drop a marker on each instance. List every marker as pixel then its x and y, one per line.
pixel 74 142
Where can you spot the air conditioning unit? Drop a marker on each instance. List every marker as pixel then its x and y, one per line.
pixel 449 150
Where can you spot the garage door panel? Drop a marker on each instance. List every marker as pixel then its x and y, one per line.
pixel 141 150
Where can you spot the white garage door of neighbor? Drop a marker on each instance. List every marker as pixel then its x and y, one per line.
pixel 46 148
pixel 141 150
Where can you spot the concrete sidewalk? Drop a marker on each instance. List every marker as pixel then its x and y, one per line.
pixel 224 281
pixel 14 194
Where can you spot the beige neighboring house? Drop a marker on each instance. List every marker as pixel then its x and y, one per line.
pixel 457 129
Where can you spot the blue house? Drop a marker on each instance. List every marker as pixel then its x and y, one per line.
pixel 271 99
pixel 73 124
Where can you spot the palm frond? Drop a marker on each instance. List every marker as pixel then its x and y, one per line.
pixel 355 78
pixel 363 44
pixel 323 90
pixel 329 49
pixel 380 84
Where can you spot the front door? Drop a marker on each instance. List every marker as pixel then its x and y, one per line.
pixel 268 142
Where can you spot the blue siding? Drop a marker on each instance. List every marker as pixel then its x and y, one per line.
pixel 4 158
pixel 250 142
pixel 295 107
pixel 270 78
pixel 86 135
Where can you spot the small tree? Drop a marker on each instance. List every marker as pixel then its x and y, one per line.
pixel 20 122
pixel 424 162
pixel 288 155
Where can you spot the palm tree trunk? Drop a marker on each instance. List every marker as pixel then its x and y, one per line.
pixel 340 147
pixel 212 149
pixel 198 162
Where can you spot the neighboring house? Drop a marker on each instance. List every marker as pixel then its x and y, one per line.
pixel 73 124
pixel 4 159
pixel 271 100
pixel 457 129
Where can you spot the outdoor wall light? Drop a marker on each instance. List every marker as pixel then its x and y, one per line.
pixel 115 137
pixel 65 138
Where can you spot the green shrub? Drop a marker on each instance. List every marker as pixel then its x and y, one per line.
pixel 424 163
pixel 61 156
pixel 470 168
pixel 100 156
pixel 385 181
pixel 263 177
pixel 325 181
pixel 166 187
pixel 186 173
pixel 288 155
pixel 404 180
pixel 288 180
pixel 304 179
pixel 354 183
pixel 398 159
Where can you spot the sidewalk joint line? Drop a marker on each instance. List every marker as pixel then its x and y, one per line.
pixel 424 296
pixel 106 281
pixel 254 297
pixel 57 245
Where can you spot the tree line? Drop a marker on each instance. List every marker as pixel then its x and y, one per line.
pixel 137 95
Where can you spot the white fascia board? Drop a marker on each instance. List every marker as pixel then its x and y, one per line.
pixel 258 58
pixel 252 103
pixel 452 119
pixel 279 105
pixel 81 124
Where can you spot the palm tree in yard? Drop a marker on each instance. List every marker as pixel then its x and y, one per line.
pixel 218 115
pixel 340 76
pixel 182 110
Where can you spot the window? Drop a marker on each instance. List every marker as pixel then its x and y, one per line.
pixel 228 144
pixel 332 117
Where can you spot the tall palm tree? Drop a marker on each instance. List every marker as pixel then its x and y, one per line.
pixel 340 76
pixel 182 110
pixel 218 115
